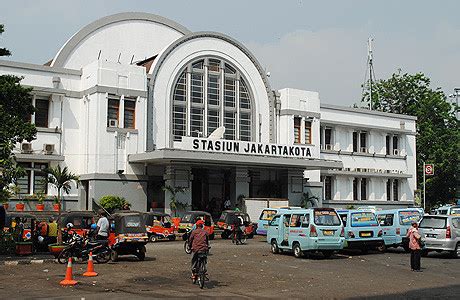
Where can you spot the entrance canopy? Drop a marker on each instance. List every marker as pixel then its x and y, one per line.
pixel 166 156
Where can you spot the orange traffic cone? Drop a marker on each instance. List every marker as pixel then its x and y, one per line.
pixel 68 275
pixel 90 271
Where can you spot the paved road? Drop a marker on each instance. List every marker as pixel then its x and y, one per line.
pixel 246 271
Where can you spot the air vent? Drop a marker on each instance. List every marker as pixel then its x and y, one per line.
pixel 48 148
pixel 26 148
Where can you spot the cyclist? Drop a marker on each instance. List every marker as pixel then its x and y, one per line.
pixel 199 243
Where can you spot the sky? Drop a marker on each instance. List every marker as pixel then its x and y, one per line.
pixel 312 45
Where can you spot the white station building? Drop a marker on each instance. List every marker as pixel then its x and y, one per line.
pixel 134 102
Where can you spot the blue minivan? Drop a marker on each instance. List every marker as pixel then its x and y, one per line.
pixel 362 231
pixel 395 223
pixel 306 230
pixel 267 215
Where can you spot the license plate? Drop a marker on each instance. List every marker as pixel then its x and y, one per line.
pixel 431 235
pixel 328 232
pixel 365 234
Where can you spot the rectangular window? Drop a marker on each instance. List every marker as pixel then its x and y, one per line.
pixel 328 136
pixel 297 130
pixel 179 128
pixel 229 92
pixel 213 89
pixel 363 189
pixel 41 113
pixel 295 220
pixel 388 145
pixel 229 123
pixel 363 141
pixel 214 65
pixel 355 141
pixel 196 122
pixel 307 132
pixel 396 190
pixel 328 187
pixel 113 111
pixel 197 88
pixel 245 126
pixel 245 102
pixel 395 142
pixel 39 176
pixel 213 120
pixel 305 220
pixel 385 220
pixel 389 189
pixel 355 189
pixel 24 182
pixel 130 113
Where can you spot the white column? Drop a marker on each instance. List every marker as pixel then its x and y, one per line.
pixel 121 112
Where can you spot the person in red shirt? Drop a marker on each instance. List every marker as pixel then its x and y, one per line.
pixel 414 245
pixel 199 243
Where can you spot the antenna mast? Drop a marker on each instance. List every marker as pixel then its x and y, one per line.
pixel 369 70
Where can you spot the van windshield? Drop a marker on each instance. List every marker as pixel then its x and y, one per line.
pixel 327 218
pixel 187 218
pixel 409 217
pixel 433 222
pixel 267 215
pixel 363 219
pixel 455 211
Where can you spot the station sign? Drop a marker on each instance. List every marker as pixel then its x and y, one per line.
pixel 243 147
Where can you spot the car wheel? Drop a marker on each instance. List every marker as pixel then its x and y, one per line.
pixel 114 255
pixel 153 238
pixel 456 252
pixel 381 248
pixel 274 247
pixel 297 251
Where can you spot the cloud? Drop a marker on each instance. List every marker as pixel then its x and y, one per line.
pixel 333 61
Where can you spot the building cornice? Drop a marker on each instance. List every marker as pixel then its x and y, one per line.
pixel 367 111
pixel 40 68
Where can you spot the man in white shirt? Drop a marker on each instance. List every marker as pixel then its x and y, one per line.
pixel 102 226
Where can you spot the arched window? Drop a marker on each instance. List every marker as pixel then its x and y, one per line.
pixel 210 93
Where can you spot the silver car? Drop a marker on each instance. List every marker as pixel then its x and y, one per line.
pixel 441 233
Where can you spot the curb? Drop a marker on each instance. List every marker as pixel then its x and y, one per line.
pixel 27 262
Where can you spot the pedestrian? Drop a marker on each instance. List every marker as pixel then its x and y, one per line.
pixel 52 231
pixel 102 228
pixel 414 246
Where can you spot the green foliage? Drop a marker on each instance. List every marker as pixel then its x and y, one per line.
pixel 3 51
pixel 350 206
pixel 112 202
pixel 61 179
pixel 438 132
pixel 307 199
pixel 175 205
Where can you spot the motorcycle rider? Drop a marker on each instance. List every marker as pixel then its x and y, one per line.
pixel 199 243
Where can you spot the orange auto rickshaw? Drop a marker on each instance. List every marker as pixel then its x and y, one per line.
pixel 190 218
pixel 81 220
pixel 228 219
pixel 158 226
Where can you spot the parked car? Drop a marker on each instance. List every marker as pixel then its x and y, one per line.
pixel 362 231
pixel 306 230
pixel 448 210
pixel 441 233
pixel 395 223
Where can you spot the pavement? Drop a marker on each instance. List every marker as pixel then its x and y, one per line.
pixel 244 271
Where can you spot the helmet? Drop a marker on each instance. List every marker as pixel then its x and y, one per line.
pixel 40 239
pixel 199 222
pixel 69 225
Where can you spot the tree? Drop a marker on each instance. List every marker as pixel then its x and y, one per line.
pixel 438 134
pixel 175 205
pixel 111 203
pixel 15 110
pixel 61 179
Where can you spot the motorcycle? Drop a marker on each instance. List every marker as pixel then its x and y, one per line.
pixel 80 248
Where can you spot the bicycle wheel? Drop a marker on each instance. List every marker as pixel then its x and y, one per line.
pixel 243 239
pixel 187 247
pixel 202 273
pixel 63 257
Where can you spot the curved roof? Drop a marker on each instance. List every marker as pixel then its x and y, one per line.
pixel 190 36
pixel 78 37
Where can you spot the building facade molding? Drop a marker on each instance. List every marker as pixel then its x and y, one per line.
pixel 40 68
pixel 367 111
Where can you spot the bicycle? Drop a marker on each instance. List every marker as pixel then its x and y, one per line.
pixel 239 237
pixel 201 275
